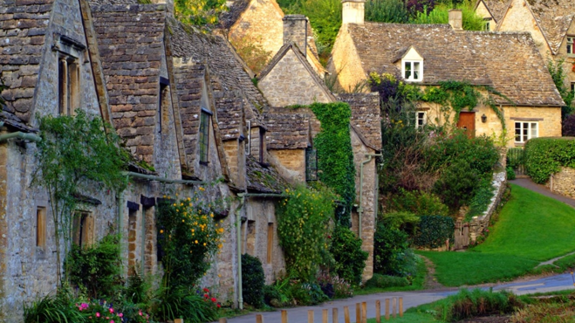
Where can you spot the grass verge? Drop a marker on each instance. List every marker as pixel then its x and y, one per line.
pixel 531 228
pixel 417 283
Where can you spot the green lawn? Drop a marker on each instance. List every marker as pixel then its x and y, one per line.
pixel 410 318
pixel 531 228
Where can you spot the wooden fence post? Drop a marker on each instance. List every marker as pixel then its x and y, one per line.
pixel 284 316
pixel 223 320
pixel 378 311
pixel 334 317
pixel 364 312
pixel 346 314
pixel 401 307
pixel 310 316
pixel 387 309
pixel 358 313
pixel 259 318
pixel 178 320
pixel 394 307
pixel 325 316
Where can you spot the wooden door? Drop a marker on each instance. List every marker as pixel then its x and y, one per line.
pixel 467 123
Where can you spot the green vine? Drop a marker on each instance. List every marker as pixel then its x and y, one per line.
pixel 76 155
pixel 334 152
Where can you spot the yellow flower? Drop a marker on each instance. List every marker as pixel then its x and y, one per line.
pixel 183 220
pixel 212 215
pixel 196 241
pixel 204 244
pixel 161 231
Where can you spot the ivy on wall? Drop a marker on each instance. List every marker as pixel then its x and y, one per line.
pixel 334 152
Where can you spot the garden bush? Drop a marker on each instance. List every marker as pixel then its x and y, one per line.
pixel 385 281
pixel 545 156
pixel 510 173
pixel 418 203
pixel 390 248
pixel 191 306
pixel 253 281
pixel 97 268
pixel 53 309
pixel 457 185
pixel 334 287
pixel 434 231
pixel 348 256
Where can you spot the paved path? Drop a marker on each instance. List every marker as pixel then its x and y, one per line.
pixel 412 299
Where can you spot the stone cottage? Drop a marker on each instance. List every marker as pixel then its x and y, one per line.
pixel 425 55
pixel 289 79
pixel 551 24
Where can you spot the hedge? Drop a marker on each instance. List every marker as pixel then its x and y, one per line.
pixel 545 156
pixel 434 230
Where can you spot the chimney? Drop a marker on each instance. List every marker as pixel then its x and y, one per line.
pixel 353 11
pixel 169 4
pixel 295 31
pixel 456 19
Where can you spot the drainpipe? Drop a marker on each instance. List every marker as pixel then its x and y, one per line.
pixel 239 245
pixel 20 135
pixel 161 179
pixel 360 209
pixel 120 218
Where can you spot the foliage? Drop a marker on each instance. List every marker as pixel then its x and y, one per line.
pixel 348 256
pixel 515 157
pixel 384 281
pixel 440 15
pixel 418 203
pixel 391 11
pixel 98 268
pixel 334 152
pixel 253 281
pixel 568 127
pixel 53 309
pixel 76 154
pixel 199 12
pixel 390 250
pixel 291 291
pixel 335 286
pixel 478 302
pixel 559 312
pixel 559 76
pixel 482 198
pixel 191 306
pixel 253 54
pixel 405 221
pixel 510 173
pixel 303 229
pixel 188 236
pixel 103 312
pixel 434 230
pixel 545 156
pixel 457 185
pixel 416 6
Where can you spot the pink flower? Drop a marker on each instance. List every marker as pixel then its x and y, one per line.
pixel 140 312
pixel 97 314
pixel 111 310
pixel 121 315
pixel 111 321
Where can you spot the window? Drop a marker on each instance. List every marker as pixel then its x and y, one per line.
pixel 163 104
pixel 204 135
pixel 83 229
pixel 573 87
pixel 68 84
pixel 487 25
pixel 525 131
pixel 420 119
pixel 270 243
pixel 413 71
pixel 262 144
pixel 570 44
pixel 41 227
pixel 310 164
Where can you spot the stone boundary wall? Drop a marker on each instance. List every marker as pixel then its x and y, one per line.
pixel 480 223
pixel 563 182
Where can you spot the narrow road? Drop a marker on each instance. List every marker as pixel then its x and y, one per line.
pixel 416 298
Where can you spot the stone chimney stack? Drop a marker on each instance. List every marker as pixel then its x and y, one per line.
pixel 295 31
pixel 456 19
pixel 169 4
pixel 353 12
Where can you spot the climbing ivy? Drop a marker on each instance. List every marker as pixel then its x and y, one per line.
pixel 76 154
pixel 334 152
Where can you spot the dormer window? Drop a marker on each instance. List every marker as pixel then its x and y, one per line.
pixel 413 71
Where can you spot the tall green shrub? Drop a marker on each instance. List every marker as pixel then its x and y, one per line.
pixel 545 156
pixel 440 15
pixel 348 256
pixel 253 281
pixel 559 75
pixel 392 11
pixel 303 228
pixel 390 250
pixel 434 231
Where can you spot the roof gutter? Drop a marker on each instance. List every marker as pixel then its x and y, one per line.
pixel 161 179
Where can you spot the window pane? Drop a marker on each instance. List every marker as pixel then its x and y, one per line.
pixel 533 130
pixel 416 70
pixel 407 70
pixel 204 128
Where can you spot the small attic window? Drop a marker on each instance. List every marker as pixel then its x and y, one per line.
pixel 311 165
pixel 571 45
pixel 412 70
pixel 204 135
pixel 68 84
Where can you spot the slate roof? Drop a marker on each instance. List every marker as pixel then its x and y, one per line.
pixel 263 179
pixel 554 17
pixel 497 8
pixel 23 27
pixel 287 128
pixel 234 92
pixel 130 40
pixel 507 61
pixel 229 18
pixel 365 117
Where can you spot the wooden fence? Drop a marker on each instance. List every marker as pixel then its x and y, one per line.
pixel 393 307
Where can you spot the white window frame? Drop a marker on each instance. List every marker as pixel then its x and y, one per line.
pixel 411 64
pixel 570 48
pixel 420 115
pixel 521 137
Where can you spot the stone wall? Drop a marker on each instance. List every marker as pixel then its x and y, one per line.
pixel 345 62
pixel 563 182
pixel 291 83
pixel 480 223
pixel 290 163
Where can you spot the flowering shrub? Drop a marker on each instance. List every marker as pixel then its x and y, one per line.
pixel 105 312
pixel 188 236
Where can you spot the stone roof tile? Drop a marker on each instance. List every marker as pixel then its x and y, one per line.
pixel 130 40
pixel 497 8
pixel 365 117
pixel 554 17
pixel 23 27
pixel 262 179
pixel 287 128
